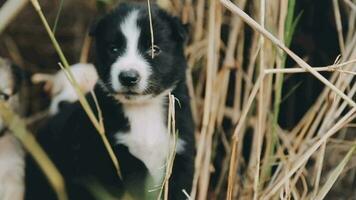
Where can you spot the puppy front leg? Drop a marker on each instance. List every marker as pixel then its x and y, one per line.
pixel 11 168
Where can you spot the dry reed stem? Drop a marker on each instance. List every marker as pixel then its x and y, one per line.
pixel 281 17
pixel 351 4
pixel 151 28
pixel 319 167
pixel 255 49
pixel 235 24
pixel 85 49
pixel 351 25
pixel 187 195
pixel 14 51
pixel 9 11
pixel 201 138
pixel 261 105
pixel 330 68
pixel 171 156
pixel 239 75
pixel 274 40
pixel 200 20
pixel 339 26
pixel 235 137
pixel 250 100
pixel 211 100
pixel 225 74
pixel 335 174
pixel 232 169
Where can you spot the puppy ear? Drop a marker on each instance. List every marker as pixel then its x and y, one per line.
pixel 96 25
pixel 179 31
pixel 93 28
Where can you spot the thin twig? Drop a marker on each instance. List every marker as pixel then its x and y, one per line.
pixel 351 4
pixel 330 68
pixel 57 16
pixel 151 28
pixel 261 106
pixel 339 26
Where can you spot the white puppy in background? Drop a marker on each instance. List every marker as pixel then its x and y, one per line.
pixel 11 168
pixel 59 87
pixel 11 153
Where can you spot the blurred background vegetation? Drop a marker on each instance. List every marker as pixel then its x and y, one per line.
pixel 315 39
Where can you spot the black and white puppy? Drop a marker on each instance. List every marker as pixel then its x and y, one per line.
pixel 132 93
pixel 11 153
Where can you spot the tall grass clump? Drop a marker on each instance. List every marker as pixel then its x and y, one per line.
pixel 282 163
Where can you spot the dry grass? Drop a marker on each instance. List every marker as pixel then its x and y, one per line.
pixel 300 155
pixel 312 160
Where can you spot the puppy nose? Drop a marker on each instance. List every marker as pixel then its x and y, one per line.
pixel 129 78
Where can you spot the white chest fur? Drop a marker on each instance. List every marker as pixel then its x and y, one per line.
pixel 148 138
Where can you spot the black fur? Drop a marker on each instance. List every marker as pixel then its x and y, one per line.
pixel 74 145
pixel 20 76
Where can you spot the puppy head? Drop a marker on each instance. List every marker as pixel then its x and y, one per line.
pixel 10 79
pixel 124 52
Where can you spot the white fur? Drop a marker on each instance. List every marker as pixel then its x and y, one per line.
pixel 148 138
pixel 11 168
pixel 11 153
pixel 137 99
pixel 131 58
pixel 62 90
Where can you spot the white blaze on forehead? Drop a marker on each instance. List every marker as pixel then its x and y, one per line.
pixel 131 32
pixel 130 59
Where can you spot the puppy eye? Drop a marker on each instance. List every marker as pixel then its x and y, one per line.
pixel 113 49
pixel 4 96
pixel 155 51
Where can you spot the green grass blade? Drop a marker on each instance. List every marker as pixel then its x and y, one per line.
pixel 57 16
